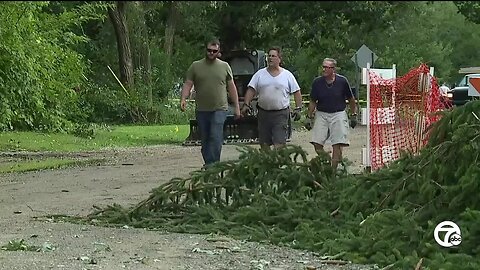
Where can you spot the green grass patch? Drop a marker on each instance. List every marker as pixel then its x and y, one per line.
pixel 42 164
pixel 22 245
pixel 19 245
pixel 117 136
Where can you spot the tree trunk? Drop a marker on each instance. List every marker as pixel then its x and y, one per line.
pixel 144 53
pixel 170 27
pixel 119 21
pixel 147 64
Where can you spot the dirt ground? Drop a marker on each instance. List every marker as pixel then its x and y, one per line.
pixel 126 178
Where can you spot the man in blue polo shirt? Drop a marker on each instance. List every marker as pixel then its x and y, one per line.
pixel 328 97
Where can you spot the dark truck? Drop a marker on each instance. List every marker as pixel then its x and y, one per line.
pixel 459 94
pixel 244 64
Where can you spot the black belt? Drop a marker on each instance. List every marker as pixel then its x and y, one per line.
pixel 271 110
pixel 333 111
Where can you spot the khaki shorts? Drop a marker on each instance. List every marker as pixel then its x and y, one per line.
pixel 331 128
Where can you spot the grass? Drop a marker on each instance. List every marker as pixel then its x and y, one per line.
pixel 116 137
pixel 47 163
pixel 19 245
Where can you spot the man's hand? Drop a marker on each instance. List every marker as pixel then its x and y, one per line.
pixel 353 120
pixel 237 113
pixel 183 104
pixel 297 114
pixel 309 123
pixel 246 109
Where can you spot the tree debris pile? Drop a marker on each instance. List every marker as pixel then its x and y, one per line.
pixel 387 217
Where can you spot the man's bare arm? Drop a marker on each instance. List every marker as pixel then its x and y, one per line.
pixel 247 99
pixel 232 90
pixel 187 87
pixel 353 105
pixel 311 108
pixel 298 98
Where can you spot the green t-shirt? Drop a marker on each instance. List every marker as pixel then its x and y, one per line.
pixel 210 82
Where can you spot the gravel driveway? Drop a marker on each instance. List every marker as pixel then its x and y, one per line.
pixel 126 178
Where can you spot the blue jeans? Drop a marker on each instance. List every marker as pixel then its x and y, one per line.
pixel 210 126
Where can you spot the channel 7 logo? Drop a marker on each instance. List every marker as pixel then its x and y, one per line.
pixel 452 237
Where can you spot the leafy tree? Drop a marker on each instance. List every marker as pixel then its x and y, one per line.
pixel 465 38
pixel 39 68
pixel 470 9
pixel 311 31
pixel 50 48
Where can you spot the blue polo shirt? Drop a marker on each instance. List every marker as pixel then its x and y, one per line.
pixel 331 98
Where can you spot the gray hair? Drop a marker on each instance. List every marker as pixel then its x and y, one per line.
pixel 331 60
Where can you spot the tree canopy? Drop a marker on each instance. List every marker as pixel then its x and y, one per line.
pixel 60 60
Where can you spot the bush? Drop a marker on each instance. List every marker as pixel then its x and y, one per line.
pixel 38 69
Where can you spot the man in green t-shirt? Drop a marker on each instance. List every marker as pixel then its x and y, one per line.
pixel 211 78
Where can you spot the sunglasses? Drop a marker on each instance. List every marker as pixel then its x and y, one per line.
pixel 327 67
pixel 212 51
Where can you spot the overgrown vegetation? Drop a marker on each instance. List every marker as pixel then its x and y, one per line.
pixel 386 217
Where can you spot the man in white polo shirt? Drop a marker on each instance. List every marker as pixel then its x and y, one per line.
pixel 273 85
